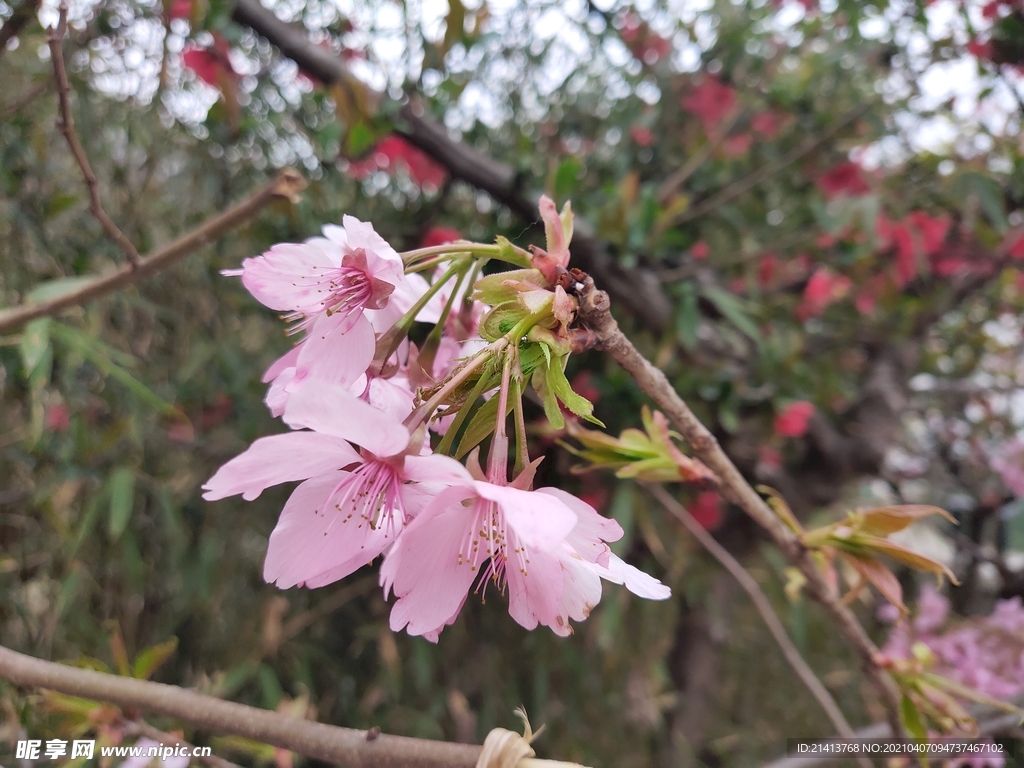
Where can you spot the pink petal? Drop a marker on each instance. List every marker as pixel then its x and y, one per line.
pixel 533 596
pixel 436 469
pixel 284 277
pixel 591 530
pixel 337 412
pixel 360 234
pixel 312 538
pixel 539 520
pixel 423 567
pixel 278 459
pixel 635 580
pixel 338 350
pixel 581 592
pixel 288 360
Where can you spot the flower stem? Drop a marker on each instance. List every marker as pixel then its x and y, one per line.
pixel 497 460
pixel 522 448
pixel 451 249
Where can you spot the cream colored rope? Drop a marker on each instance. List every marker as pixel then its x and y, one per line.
pixel 508 749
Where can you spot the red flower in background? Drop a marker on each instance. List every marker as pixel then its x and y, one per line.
pixel 792 420
pixel 644 43
pixel 825 287
pixel 1017 249
pixel 707 510
pixel 212 64
pixel 768 124
pixel 180 9
pixel 57 418
pixel 843 179
pixel 711 102
pixel 642 136
pixel 767 268
pixel 737 146
pixel 440 236
pixel 395 153
pixel 700 250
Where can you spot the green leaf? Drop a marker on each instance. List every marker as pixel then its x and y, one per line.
pixel 36 352
pixel 688 318
pixel 566 177
pixel 122 499
pixel 481 425
pixel 101 356
pixel 559 385
pixel 733 310
pixel 912 719
pixel 360 138
pixel 53 289
pixel 147 662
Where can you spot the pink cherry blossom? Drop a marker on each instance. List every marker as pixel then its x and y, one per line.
pixel 546 548
pixel 353 504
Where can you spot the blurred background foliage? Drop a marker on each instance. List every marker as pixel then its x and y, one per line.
pixel 822 202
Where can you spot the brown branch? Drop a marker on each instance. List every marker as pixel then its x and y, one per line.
pixel 66 124
pixel 286 185
pixel 636 290
pixel 340 746
pixel 763 606
pixel 595 313
pixel 17 21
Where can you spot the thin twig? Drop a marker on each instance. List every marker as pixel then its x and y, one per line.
pixel 750 181
pixel 286 185
pixel 66 124
pixel 595 313
pixel 763 606
pixel 340 746
pixel 144 729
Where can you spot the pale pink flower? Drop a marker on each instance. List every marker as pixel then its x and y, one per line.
pixel 353 504
pixel 547 548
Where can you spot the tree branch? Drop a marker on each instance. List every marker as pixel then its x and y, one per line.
pixel 286 185
pixel 638 291
pixel 66 124
pixel 595 313
pixel 329 743
pixel 341 746
pixel 763 606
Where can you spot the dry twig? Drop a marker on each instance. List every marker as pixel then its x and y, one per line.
pixel 286 185
pixel 764 607
pixel 66 124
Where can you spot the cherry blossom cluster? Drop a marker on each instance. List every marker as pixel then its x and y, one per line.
pixel 386 434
